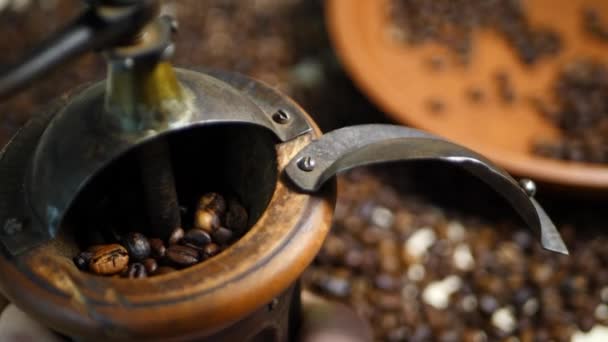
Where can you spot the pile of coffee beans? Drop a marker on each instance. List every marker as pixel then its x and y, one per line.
pixel 216 224
pixel 593 25
pixel 452 23
pixel 580 111
pixel 420 272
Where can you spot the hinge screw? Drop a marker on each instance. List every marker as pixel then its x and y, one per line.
pixel 307 164
pixel 281 117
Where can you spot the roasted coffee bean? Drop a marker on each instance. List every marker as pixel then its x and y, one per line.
pixel 236 217
pixel 164 270
pixel 212 202
pixel 185 247
pixel 151 265
pixel 176 236
pixel 222 235
pixel 196 237
pixel 475 95
pixel 108 259
pixel 137 245
pixel 436 63
pixel 82 260
pixel 211 249
pixel 505 89
pixel 206 220
pixel 436 106
pixel 136 270
pixel 157 248
pixel 182 255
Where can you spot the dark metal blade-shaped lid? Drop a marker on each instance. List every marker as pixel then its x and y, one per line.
pixel 354 146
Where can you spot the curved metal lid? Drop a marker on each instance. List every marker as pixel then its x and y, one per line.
pixel 354 146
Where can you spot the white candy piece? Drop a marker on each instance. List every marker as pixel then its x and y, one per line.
pixel 463 258
pixel 456 231
pixel 601 312
pixel 417 245
pixel 599 333
pixel 437 294
pixel 382 217
pixel 504 320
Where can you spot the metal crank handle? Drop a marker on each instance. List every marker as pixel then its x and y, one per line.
pixel 104 24
pixel 354 146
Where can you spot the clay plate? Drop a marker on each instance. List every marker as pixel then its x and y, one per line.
pixel 400 80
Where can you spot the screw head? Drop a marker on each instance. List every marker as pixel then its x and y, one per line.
pixel 281 117
pixel 528 185
pixel 307 164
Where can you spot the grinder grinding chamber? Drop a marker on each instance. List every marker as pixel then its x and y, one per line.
pixel 219 131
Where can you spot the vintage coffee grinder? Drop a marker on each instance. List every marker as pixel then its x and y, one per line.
pixel 179 132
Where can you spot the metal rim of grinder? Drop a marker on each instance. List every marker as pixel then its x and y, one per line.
pixel 55 156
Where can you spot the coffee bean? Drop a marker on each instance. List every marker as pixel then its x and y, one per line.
pixel 386 282
pixel 222 235
pixel 136 270
pixel 151 265
pixel 353 258
pixel 137 245
pixel 182 255
pixel 108 259
pixel 157 248
pixel 505 89
pixel 211 249
pixel 206 220
pixel 196 237
pixel 236 217
pixel 436 106
pixel 82 260
pixel 436 63
pixel 475 95
pixel 212 202
pixel 186 248
pixel 176 236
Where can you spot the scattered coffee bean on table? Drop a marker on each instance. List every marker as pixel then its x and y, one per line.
pixel 504 86
pixel 475 95
pixel 451 23
pixel 436 106
pixel 593 25
pixel 451 276
pixel 217 223
pixel 580 111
